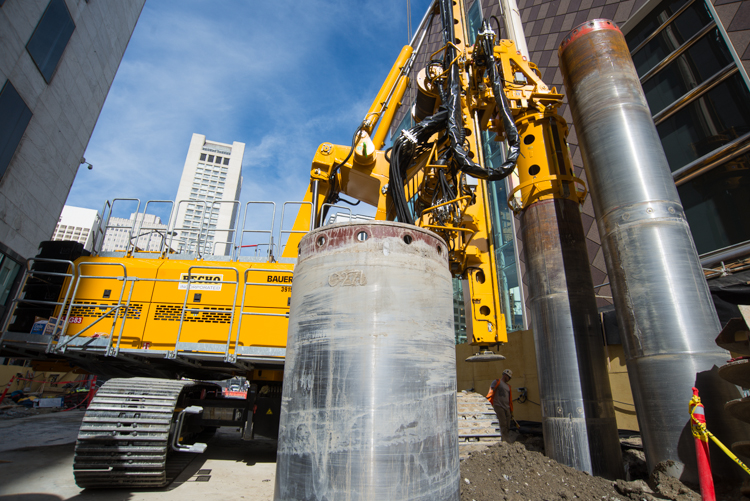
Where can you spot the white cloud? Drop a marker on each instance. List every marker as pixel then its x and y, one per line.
pixel 280 76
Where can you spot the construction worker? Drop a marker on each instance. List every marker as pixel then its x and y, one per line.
pixel 500 396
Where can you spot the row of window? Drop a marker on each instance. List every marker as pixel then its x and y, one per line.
pixel 46 46
pixel 701 107
pixel 217 159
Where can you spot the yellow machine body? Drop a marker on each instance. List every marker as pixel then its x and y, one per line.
pixel 165 301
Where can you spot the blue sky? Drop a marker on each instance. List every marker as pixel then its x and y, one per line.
pixel 280 76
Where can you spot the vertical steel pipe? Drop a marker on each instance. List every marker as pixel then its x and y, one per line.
pixel 369 397
pixel 578 416
pixel 664 309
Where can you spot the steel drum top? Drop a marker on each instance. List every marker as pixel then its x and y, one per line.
pixel 342 236
pixel 585 28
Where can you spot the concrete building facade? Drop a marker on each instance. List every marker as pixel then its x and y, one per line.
pixel 77 224
pixel 139 233
pixel 58 59
pixel 207 200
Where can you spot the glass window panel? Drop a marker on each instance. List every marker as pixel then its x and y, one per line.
pixel 709 122
pixel 203 156
pixel 504 237
pixel 8 272
pixel 655 18
pixel 715 204
pixel 14 117
pixel 210 158
pixel 696 65
pixel 475 22
pixel 226 161
pixel 50 37
pixel 671 37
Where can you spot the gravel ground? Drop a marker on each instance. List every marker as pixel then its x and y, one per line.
pixel 510 471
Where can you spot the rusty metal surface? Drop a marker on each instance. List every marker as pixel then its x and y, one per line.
pixel 580 429
pixel 664 310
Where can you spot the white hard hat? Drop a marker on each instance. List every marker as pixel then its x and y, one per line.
pixel 508 372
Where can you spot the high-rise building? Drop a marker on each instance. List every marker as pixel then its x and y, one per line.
pixel 58 59
pixel 78 224
pixel 139 233
pixel 207 202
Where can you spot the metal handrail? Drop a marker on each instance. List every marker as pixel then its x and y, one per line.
pixel 242 305
pixel 99 242
pixel 281 226
pixel 153 229
pixel 199 310
pixel 270 232
pixel 233 230
pixel 131 228
pixel 121 307
pixel 116 309
pixel 188 229
pixel 322 212
pixel 28 272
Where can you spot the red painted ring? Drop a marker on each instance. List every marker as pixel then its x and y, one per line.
pixel 585 28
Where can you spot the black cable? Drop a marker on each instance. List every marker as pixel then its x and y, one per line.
pixel 348 202
pixel 499 33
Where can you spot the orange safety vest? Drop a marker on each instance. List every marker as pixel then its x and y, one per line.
pixel 491 394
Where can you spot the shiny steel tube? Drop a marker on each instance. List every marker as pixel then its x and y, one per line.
pixel 578 415
pixel 369 398
pixel 664 310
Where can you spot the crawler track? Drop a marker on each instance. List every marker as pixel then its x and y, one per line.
pixel 124 437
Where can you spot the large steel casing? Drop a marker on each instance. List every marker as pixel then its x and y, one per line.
pixel 578 416
pixel 369 397
pixel 664 309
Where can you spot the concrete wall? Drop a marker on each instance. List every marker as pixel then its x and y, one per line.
pixel 35 186
pixel 520 357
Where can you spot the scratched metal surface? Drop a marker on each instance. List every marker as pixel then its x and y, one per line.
pixel 369 406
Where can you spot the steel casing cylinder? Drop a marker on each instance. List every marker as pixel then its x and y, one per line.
pixel 664 310
pixel 369 396
pixel 578 415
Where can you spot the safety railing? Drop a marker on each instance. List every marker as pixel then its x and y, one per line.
pixel 129 229
pixel 150 229
pixel 192 310
pixel 237 347
pixel 323 213
pixel 245 231
pixel 30 273
pixel 282 231
pixel 114 310
pixel 186 232
pixel 119 311
pixel 190 231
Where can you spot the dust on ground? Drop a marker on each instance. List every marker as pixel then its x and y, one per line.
pixel 13 411
pixel 513 472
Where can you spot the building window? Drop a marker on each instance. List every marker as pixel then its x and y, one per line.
pixel 226 161
pixel 203 156
pixel 218 160
pixel 14 117
pixel 210 158
pixel 50 38
pixel 700 104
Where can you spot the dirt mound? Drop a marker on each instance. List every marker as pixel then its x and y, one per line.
pixel 512 472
